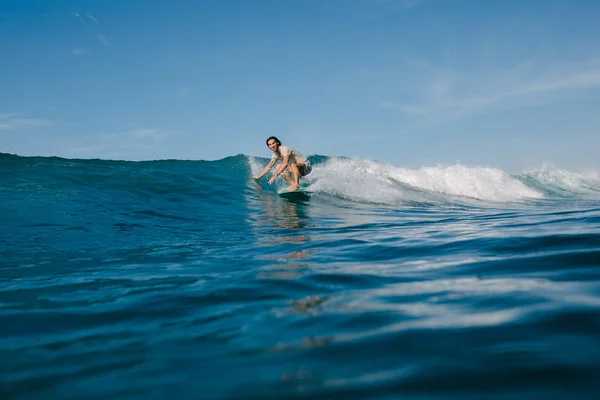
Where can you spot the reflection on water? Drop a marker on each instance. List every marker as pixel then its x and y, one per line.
pixel 286 270
pixel 294 255
pixel 279 222
pixel 310 305
pixel 271 211
pixel 307 342
pixel 283 271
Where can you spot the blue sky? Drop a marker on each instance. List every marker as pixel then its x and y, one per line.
pixel 511 83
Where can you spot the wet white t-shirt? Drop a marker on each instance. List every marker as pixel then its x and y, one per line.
pixel 295 156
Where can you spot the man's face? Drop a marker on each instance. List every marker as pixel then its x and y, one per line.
pixel 272 144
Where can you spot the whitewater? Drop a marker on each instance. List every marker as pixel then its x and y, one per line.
pixel 189 279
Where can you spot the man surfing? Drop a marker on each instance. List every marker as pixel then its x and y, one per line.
pixel 291 161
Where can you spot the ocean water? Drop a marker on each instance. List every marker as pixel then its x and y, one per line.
pixel 188 279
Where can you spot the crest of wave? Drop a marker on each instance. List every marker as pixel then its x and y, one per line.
pixel 254 165
pixel 371 181
pixel 555 179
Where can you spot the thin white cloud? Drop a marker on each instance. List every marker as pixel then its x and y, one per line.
pixel 103 40
pixel 584 79
pixel 93 19
pixel 93 28
pixel 448 94
pixel 7 122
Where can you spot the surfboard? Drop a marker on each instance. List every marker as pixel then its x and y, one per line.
pixel 299 194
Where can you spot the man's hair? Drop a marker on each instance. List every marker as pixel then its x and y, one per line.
pixel 276 140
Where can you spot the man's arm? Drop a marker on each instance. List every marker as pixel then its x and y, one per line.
pixel 280 168
pixel 267 169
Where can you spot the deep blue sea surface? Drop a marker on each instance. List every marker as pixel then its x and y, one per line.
pixel 190 280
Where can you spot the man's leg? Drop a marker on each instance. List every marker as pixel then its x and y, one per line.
pixel 287 177
pixel 296 184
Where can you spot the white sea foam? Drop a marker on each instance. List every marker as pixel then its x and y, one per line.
pixel 255 165
pixel 555 179
pixel 371 181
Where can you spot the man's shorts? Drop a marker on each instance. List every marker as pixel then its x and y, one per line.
pixel 305 168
